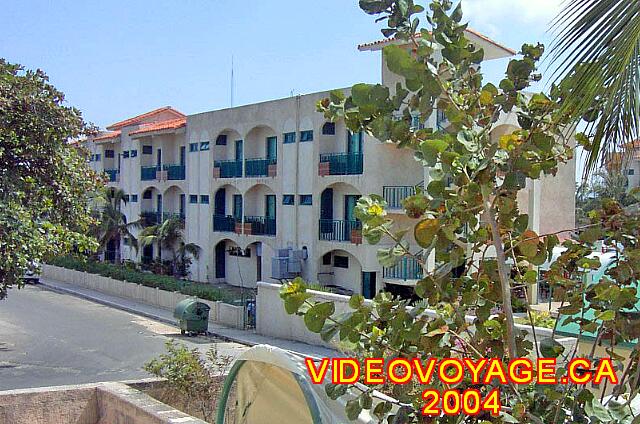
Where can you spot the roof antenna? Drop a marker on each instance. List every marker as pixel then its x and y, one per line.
pixel 232 81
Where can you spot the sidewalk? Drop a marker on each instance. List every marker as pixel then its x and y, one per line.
pixel 246 337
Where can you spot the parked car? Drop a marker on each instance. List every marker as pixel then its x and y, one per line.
pixel 32 276
pixel 339 290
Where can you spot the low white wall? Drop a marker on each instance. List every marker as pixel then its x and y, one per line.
pixel 273 321
pixel 220 313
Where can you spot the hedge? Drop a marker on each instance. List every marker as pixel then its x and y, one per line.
pixel 163 282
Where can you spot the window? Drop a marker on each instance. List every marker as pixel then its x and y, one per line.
pixel 631 171
pixel 288 199
pixel 125 154
pixel 134 153
pixel 193 147
pixel 305 199
pixel 289 138
pixel 329 128
pixel 204 145
pixel 326 259
pixel 204 199
pixel 109 153
pixel 134 198
pixel 91 158
pixel 221 140
pixel 97 157
pixel 146 194
pixel 306 135
pixel 193 198
pixel 147 150
pixel 341 261
pixel 125 198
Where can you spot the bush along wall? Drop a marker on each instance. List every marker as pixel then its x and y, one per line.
pixel 163 282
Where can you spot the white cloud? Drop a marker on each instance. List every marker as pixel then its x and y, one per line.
pixel 492 16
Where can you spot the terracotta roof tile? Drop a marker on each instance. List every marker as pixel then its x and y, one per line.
pixel 471 31
pixel 172 124
pixel 107 136
pixel 136 119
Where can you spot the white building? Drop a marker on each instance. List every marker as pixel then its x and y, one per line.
pixel 256 179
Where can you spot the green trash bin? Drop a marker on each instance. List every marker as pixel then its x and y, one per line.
pixel 192 316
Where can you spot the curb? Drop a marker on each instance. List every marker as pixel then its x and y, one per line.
pixel 95 299
pixel 115 305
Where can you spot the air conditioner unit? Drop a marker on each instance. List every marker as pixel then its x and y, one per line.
pixel 286 264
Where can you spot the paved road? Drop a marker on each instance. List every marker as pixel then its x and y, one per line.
pixel 49 339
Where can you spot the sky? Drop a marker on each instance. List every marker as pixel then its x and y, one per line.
pixel 115 59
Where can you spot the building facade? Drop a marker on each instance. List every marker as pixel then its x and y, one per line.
pixel 273 184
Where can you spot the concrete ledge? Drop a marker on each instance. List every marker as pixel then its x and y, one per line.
pixel 220 313
pixel 102 403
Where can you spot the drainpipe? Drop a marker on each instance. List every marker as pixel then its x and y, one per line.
pixel 296 202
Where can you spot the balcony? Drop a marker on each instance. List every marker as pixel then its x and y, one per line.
pixel 339 230
pixel 155 218
pixel 148 173
pixel 175 172
pixel 227 169
pixel 260 167
pixel 406 269
pixel 113 174
pixel 340 164
pixel 394 195
pixel 224 223
pixel 259 226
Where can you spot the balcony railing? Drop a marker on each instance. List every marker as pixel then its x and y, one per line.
pixel 229 168
pixel 258 167
pixel 394 195
pixel 224 223
pixel 113 174
pixel 261 226
pixel 154 218
pixel 175 172
pixel 148 173
pixel 343 163
pixel 406 269
pixel 150 217
pixel 337 230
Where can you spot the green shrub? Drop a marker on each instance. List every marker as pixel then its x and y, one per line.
pixel 127 273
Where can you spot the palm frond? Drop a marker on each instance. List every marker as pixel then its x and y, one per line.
pixel 596 54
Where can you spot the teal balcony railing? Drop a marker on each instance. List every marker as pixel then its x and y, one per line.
pixel 224 223
pixel 175 172
pixel 229 168
pixel 148 173
pixel 337 230
pixel 258 167
pixel 150 217
pixel 394 195
pixel 113 174
pixel 343 163
pixel 406 269
pixel 261 226
pixel 154 218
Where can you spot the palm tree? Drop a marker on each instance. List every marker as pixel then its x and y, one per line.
pixel 169 235
pixel 113 225
pixel 596 55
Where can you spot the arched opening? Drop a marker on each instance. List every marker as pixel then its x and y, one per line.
pixel 337 213
pixel 235 265
pixel 340 272
pixel 228 152
pixel 151 206
pixel 174 203
pixel 260 210
pixel 261 152
pixel 227 209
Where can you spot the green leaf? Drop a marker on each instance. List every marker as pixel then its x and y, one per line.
pixel 356 301
pixel 353 409
pixel 550 348
pixel 425 231
pixel 317 315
